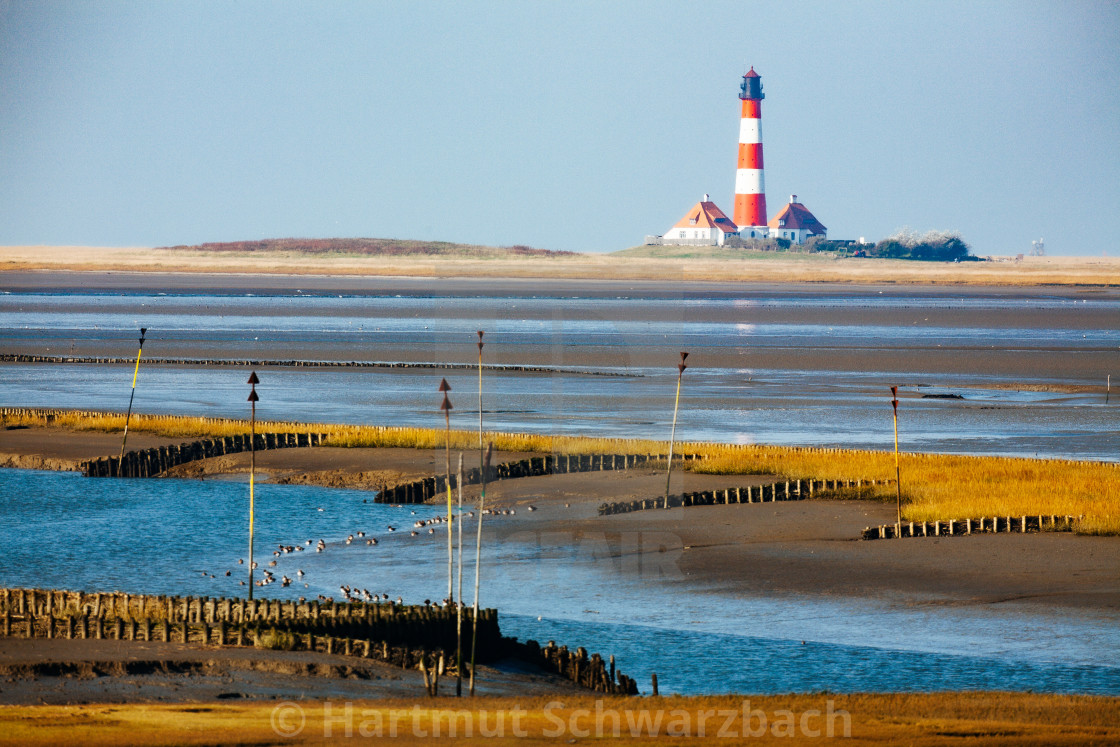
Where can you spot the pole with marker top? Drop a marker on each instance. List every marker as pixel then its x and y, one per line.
pixel 483 466
pixel 673 434
pixel 253 398
pixel 897 473
pixel 127 417
pixel 446 407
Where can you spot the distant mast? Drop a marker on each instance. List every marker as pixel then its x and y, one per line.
pixel 750 193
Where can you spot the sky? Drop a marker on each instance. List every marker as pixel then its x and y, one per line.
pixel 561 125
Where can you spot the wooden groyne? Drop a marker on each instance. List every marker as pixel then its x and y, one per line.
pixel 154 461
pixel 591 672
pixel 790 490
pixel 410 637
pixel 401 635
pixel 293 363
pixel 420 491
pixel 959 527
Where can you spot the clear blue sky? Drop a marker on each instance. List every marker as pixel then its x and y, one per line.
pixel 566 125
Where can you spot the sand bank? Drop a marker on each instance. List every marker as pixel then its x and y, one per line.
pixel 778 268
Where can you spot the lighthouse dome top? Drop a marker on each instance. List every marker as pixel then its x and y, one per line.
pixel 751 87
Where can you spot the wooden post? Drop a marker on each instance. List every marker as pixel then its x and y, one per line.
pixel 654 679
pixel 673 433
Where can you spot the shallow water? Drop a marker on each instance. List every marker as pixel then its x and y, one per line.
pixel 829 393
pixel 169 536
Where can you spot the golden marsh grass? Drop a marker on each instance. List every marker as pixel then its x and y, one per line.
pixel 902 718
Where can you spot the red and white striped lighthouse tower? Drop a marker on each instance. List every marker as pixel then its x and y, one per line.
pixel 750 191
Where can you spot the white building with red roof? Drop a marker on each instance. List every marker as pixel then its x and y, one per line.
pixel 703 225
pixel 796 224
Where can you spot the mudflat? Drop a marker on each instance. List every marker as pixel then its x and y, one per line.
pixel 512 298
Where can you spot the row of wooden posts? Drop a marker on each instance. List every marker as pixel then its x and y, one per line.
pixel 154 461
pixel 430 626
pixel 790 490
pixel 956 527
pixel 290 363
pixel 420 491
pixel 406 636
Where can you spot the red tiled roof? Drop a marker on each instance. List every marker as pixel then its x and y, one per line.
pixel 797 215
pixel 706 215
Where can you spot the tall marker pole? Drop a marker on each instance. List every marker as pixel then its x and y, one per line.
pixel 673 434
pixel 459 603
pixel 446 407
pixel 253 398
pixel 480 445
pixel 483 463
pixel 478 557
pixel 897 473
pixel 128 417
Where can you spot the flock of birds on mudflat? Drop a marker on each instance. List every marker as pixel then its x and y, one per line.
pixel 353 593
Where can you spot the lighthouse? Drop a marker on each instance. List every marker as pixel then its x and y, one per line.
pixel 750 191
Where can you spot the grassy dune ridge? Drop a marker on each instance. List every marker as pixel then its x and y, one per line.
pixel 368 257
pixel 934 486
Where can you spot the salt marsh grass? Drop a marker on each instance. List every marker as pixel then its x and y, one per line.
pixel 946 486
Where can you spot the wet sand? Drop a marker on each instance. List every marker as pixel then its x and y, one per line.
pixel 58 671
